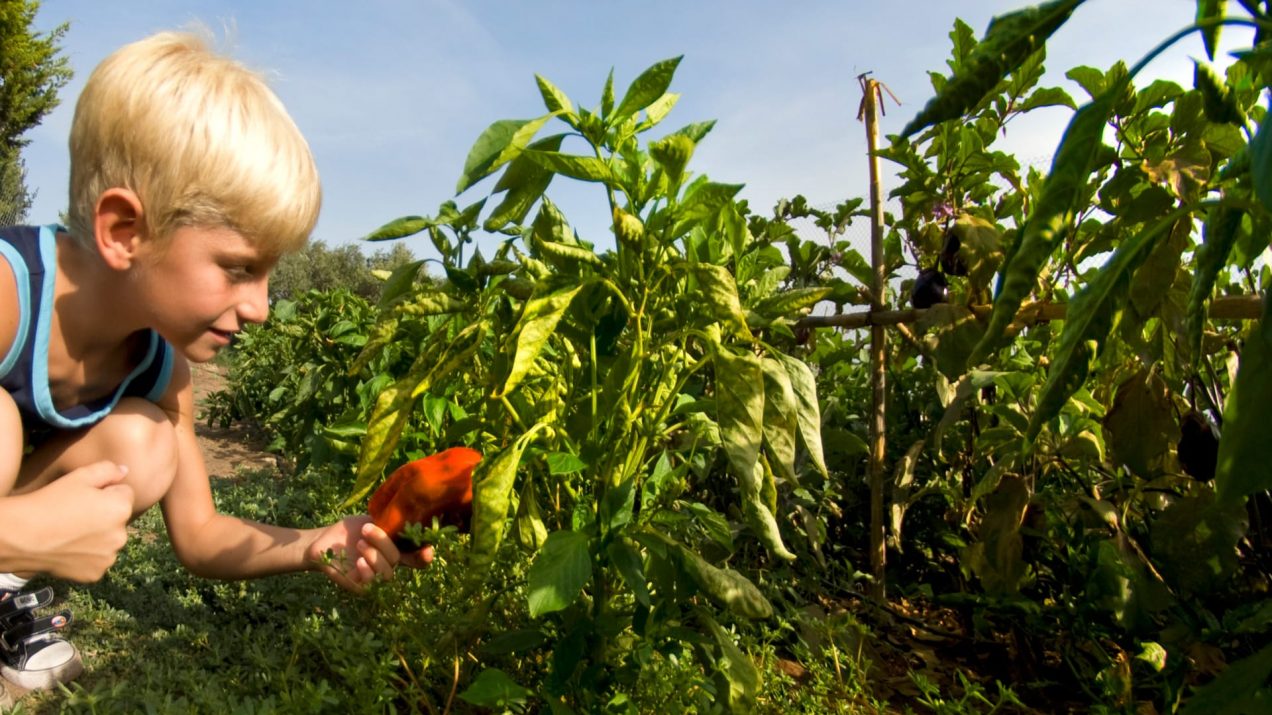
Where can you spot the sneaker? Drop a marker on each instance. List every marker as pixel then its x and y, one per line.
pixel 32 656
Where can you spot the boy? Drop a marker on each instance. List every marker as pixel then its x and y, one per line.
pixel 188 181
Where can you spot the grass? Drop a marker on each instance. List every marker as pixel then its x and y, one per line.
pixel 156 639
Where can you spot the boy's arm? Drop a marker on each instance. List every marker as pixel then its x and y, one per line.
pixel 220 546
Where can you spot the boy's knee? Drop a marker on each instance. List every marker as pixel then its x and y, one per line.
pixel 143 439
pixel 10 442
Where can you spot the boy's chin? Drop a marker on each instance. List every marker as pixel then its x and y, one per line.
pixel 200 353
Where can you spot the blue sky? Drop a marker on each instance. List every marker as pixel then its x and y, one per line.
pixel 392 93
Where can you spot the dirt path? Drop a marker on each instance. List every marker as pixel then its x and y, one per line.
pixel 225 450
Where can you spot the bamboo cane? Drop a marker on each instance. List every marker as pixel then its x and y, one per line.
pixel 878 342
pixel 1228 307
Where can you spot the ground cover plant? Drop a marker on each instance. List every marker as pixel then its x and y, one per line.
pixel 671 511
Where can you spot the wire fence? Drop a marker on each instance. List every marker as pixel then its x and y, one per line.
pixel 12 215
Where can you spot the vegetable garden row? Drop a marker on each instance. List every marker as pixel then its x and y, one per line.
pixel 676 456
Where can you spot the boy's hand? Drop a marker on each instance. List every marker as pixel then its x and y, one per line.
pixel 93 510
pixel 353 553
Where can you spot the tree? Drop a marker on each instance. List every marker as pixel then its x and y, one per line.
pixel 15 200
pixel 319 267
pixel 32 70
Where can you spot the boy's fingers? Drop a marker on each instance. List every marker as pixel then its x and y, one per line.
pixel 102 474
pixel 379 540
pixel 418 559
pixel 122 496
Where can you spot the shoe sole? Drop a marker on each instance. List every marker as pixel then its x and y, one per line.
pixel 44 678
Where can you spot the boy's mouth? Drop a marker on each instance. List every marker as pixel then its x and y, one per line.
pixel 225 335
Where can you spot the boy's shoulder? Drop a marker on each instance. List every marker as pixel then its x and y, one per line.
pixel 19 250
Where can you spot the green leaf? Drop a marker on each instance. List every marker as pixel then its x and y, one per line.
pixel 554 99
pixel 725 586
pixel 559 572
pixel 1009 41
pixel 564 463
pixel 1241 688
pixel 393 406
pixel 1141 424
pixel 537 324
pixel 697 130
pixel 758 516
pixel 997 556
pixel 740 413
pixel 531 531
pixel 1243 467
pixel 720 292
pixel 525 181
pixel 1218 102
pixel 741 679
pixel 626 559
pixel 1048 97
pixel 499 144
pixel 429 302
pixel 1223 226
pixel 658 111
pixel 808 413
pixel 583 168
pixel 1261 161
pixel 607 95
pixel 705 200
pixel 1194 542
pixel 781 418
pixel 740 409
pixel 552 239
pixel 492 493
pixel 492 688
pixel 1210 10
pixel 791 302
pixel 399 283
pixel 1090 319
pixel 1089 78
pixel 617 507
pixel 400 228
pixel 381 335
pixel 645 89
pixel 1064 189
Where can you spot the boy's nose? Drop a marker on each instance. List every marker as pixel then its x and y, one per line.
pixel 254 307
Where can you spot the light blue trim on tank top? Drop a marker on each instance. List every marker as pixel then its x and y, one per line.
pixel 22 279
pixel 40 357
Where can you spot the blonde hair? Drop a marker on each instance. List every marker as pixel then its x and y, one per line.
pixel 199 138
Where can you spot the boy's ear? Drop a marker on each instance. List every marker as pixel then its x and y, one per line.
pixel 117 227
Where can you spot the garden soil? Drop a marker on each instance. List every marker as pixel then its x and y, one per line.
pixel 225 450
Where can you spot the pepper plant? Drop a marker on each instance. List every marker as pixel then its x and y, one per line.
pixel 640 423
pixel 1074 453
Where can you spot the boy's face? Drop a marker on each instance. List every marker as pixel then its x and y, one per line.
pixel 203 286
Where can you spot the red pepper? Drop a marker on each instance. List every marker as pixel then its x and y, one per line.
pixel 440 485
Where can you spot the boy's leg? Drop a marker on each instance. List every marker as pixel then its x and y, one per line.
pixel 136 434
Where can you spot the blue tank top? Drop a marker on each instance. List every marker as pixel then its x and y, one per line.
pixel 31 253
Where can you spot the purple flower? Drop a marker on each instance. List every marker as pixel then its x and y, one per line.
pixel 943 211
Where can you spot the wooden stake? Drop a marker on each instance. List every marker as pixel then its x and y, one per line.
pixel 870 109
pixel 1225 307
